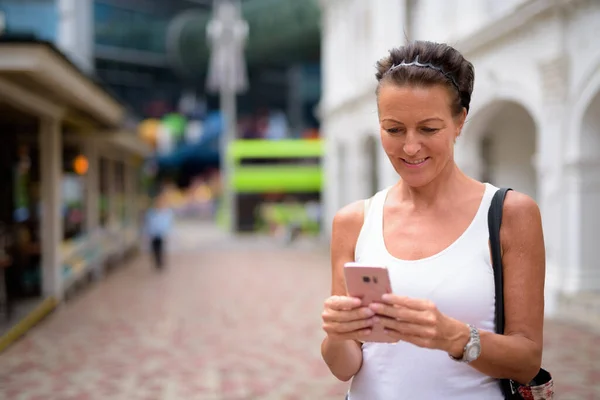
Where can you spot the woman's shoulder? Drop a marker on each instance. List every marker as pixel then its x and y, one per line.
pixel 521 222
pixel 352 215
pixel 520 209
pixel 346 227
pixel 349 216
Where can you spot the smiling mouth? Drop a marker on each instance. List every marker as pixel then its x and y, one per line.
pixel 415 162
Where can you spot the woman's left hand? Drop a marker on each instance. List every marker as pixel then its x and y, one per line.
pixel 420 322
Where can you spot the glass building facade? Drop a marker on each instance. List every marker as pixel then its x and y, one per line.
pixel 39 18
pixel 127 28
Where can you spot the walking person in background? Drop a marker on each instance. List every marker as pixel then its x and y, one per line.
pixel 159 221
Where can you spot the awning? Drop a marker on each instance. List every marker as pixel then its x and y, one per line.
pixel 131 143
pixel 38 79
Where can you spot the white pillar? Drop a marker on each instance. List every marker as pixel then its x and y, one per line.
pixel 51 222
pixel 571 220
pixel 329 189
pixel 550 182
pixel 589 203
pixel 92 184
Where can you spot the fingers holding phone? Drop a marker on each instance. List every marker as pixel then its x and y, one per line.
pixel 345 318
pixel 369 283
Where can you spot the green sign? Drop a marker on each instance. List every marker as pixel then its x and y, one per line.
pixel 292 148
pixel 277 179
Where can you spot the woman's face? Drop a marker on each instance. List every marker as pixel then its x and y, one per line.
pixel 418 130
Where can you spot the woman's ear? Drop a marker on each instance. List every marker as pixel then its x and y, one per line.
pixel 462 117
pixel 460 122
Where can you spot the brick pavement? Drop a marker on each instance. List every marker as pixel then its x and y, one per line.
pixel 220 323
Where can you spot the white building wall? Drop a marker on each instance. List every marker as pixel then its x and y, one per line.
pixel 537 63
pixel 76 32
pixel 355 35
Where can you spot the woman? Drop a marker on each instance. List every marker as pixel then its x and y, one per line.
pixel 430 230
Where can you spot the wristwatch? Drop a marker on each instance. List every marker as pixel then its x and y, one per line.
pixel 472 348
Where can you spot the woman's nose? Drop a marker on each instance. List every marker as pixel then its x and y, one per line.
pixel 411 145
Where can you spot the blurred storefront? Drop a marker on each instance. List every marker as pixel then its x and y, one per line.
pixel 70 199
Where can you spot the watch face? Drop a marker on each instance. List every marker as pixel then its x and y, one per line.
pixel 473 352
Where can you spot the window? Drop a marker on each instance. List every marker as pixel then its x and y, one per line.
pixel 137 30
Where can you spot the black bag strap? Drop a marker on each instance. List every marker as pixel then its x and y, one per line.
pixel 509 388
pixel 494 223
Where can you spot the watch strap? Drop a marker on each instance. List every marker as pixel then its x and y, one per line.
pixel 473 339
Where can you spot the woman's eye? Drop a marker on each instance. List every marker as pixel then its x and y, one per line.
pixel 393 131
pixel 429 130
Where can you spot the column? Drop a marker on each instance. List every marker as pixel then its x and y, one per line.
pixel 51 222
pixel 589 215
pixel 111 192
pixel 329 189
pixel 136 191
pixel 132 201
pixel 129 204
pixel 92 185
pixel 550 190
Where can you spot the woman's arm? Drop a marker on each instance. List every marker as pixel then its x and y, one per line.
pixel 344 357
pixel 518 353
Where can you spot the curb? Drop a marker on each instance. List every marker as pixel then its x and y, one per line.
pixel 23 326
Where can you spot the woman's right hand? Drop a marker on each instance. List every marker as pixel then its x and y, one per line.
pixel 345 319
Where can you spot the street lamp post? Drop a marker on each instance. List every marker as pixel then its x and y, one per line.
pixel 227 33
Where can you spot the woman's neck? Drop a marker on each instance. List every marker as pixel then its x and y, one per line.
pixel 450 181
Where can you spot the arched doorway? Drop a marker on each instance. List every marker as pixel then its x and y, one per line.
pixel 507 147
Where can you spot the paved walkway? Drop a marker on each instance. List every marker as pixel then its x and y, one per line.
pixel 222 322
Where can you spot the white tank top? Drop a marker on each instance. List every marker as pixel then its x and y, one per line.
pixel 460 281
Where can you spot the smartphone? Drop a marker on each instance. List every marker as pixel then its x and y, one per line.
pixel 368 283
